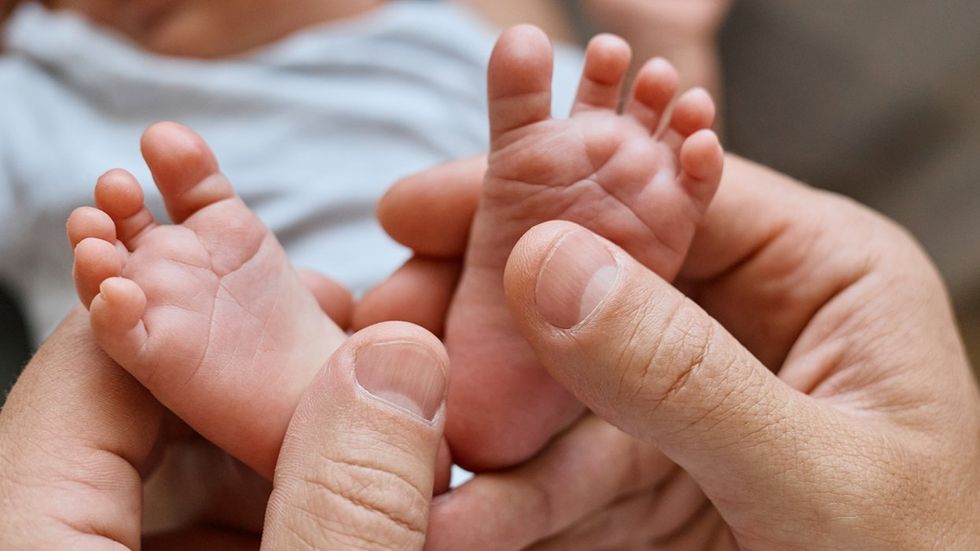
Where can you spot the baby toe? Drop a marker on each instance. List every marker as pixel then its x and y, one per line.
pixel 116 315
pixel 119 195
pixel 695 110
pixel 85 222
pixel 607 60
pixel 519 79
pixel 184 169
pixel 95 261
pixel 702 161
pixel 653 91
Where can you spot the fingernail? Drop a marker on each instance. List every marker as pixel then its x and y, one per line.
pixel 575 279
pixel 404 374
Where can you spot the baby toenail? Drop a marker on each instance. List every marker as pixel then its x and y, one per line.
pixel 575 279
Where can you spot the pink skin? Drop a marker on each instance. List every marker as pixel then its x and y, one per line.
pixel 208 314
pixel 642 178
pixel 692 19
pixel 210 28
pixel 683 31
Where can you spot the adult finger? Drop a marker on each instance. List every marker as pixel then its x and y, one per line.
pixel 419 292
pixel 431 212
pixel 584 470
pixel 334 299
pixel 650 361
pixel 356 467
pixel 653 514
pixel 76 433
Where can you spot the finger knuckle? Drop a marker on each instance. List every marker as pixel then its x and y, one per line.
pixel 367 505
pixel 672 355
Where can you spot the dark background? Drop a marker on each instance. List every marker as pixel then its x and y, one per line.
pixel 877 99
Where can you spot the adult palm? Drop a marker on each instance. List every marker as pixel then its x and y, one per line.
pixel 829 403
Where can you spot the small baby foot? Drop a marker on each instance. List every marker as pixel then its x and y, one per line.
pixel 207 313
pixel 641 177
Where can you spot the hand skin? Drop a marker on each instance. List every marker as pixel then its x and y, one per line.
pixel 683 31
pixel 79 437
pixel 828 404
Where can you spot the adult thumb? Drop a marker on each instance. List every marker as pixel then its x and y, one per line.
pixel 650 361
pixel 357 465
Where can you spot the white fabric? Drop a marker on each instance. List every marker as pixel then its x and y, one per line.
pixel 311 130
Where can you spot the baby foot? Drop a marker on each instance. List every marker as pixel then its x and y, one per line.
pixel 641 178
pixel 208 313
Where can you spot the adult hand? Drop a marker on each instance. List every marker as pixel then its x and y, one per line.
pixel 698 18
pixel 79 436
pixel 866 436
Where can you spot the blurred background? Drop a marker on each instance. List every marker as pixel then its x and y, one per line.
pixel 877 99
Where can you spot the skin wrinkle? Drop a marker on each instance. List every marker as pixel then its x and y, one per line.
pixel 144 350
pixel 546 510
pixel 393 440
pixel 220 285
pixel 648 377
pixel 846 483
pixel 698 285
pixel 718 535
pixel 598 164
pixel 371 469
pixel 263 324
pixel 656 502
pixel 92 528
pixel 56 452
pixel 323 484
pixel 203 356
pixel 694 363
pixel 663 245
pixel 497 176
pixel 769 430
pixel 205 214
pixel 638 320
pixel 135 239
pixel 711 412
pixel 336 527
pixel 540 190
pixel 627 477
pixel 598 161
pixel 842 379
pixel 298 535
pixel 505 103
pixel 673 536
pixel 649 495
pixel 657 241
pixel 88 531
pixel 636 469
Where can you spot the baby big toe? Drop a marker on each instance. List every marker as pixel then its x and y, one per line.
pixel 519 79
pixel 184 169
